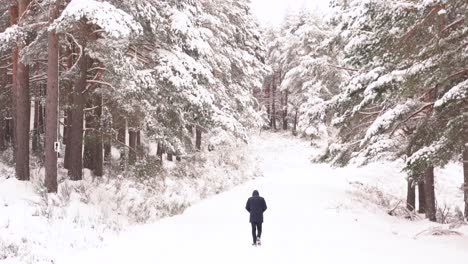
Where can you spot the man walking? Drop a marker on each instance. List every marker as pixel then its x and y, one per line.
pixel 256 205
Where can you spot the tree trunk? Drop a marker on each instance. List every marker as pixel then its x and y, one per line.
pixel 140 149
pixel 132 155
pixel 285 111
pixel 160 152
pixel 122 138
pixel 93 156
pixel 76 131
pixel 40 121
pixel 107 150
pixel 89 139
pixel 267 102
pixel 198 138
pixel 2 135
pixel 66 139
pixel 36 132
pixel 51 121
pixel 23 110
pixel 430 194
pixel 170 157
pixel 68 119
pixel 99 163
pixel 9 130
pixel 411 196
pixel 138 138
pixel 465 176
pixel 99 155
pixel 422 196
pixel 273 104
pixel 14 60
pixel 295 124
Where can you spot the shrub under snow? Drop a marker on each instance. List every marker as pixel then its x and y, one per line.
pixel 36 227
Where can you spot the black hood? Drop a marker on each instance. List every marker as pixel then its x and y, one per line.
pixel 255 193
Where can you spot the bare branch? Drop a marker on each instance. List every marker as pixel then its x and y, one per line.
pixel 411 116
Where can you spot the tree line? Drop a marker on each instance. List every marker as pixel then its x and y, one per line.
pixel 377 80
pixel 93 75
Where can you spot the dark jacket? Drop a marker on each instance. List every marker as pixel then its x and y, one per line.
pixel 256 205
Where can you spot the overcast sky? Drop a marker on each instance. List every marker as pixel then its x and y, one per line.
pixel 271 12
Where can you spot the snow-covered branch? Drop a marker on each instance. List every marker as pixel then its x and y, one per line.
pixel 116 23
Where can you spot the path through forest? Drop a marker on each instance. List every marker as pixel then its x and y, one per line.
pixel 312 217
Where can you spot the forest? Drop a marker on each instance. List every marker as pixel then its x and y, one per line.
pixel 378 81
pixel 163 97
pixel 89 75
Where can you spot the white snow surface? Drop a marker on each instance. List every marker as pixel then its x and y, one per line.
pixel 458 92
pixel 115 22
pixel 9 36
pixel 316 214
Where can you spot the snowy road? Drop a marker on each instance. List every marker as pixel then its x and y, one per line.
pixel 311 218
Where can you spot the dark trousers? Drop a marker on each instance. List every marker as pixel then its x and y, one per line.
pixel 255 227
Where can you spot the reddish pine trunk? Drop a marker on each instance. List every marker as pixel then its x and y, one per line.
pixel 23 110
pixel 465 176
pixel 76 131
pixel 51 122
pixel 430 194
pixel 14 60
pixel 410 196
pixel 422 197
pixel 67 122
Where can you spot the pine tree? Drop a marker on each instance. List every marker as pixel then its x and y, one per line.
pixel 52 103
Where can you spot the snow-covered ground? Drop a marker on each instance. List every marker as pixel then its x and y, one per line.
pixel 36 227
pixel 316 214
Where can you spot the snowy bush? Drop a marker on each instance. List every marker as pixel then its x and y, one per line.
pixel 8 250
pixel 438 231
pixel 446 214
pixel 148 166
pixel 382 200
pixel 6 157
pixel 373 195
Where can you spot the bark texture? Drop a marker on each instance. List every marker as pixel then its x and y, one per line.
pixel 51 105
pixel 23 110
pixel 76 131
pixel 411 195
pixel 430 194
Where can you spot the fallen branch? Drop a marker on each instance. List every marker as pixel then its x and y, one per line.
pixel 411 116
pixel 438 231
pixel 393 210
